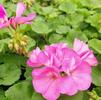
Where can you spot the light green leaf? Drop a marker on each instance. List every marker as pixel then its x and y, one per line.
pixel 68 7
pixel 95 44
pixel 20 91
pixel 4 44
pixel 62 29
pixel 75 34
pixel 54 38
pixel 41 27
pixel 96 75
pixel 95 21
pixel 31 44
pixel 9 73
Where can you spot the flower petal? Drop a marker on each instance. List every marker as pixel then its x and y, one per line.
pixel 68 86
pixel 24 20
pixel 52 92
pixel 20 9
pixel 45 83
pixel 3 13
pixel 82 76
pixel 3 25
pixel 84 52
pixel 80 46
pixel 82 81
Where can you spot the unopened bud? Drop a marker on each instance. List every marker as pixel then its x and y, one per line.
pixel 16 46
pixel 10 45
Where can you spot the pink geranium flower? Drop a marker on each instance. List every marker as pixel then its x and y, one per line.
pixel 18 19
pixel 61 70
pixel 51 82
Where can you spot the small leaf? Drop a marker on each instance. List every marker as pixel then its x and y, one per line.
pixel 9 73
pixel 54 38
pixel 95 44
pixel 68 7
pixel 4 44
pixel 41 27
pixel 62 29
pixel 31 44
pixel 28 73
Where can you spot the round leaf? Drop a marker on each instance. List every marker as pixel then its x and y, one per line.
pixel 9 73
pixel 20 91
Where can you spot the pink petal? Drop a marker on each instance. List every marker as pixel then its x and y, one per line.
pixel 6 24
pixel 68 86
pixel 3 13
pixel 84 67
pixel 90 58
pixel 24 20
pixel 71 59
pixel 45 83
pixel 82 76
pixel 20 9
pixel 80 46
pixel 52 92
pixel 84 52
pixel 82 81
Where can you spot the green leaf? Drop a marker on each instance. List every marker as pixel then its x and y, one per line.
pixel 40 27
pixel 68 7
pixel 37 96
pixel 20 91
pixel 96 75
pixel 75 34
pixel 95 21
pixel 9 73
pixel 62 29
pixel 31 44
pixel 2 94
pixel 98 90
pixel 4 44
pixel 78 96
pixel 54 38
pixel 13 58
pixel 28 73
pixel 95 44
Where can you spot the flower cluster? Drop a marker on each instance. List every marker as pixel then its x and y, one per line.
pixel 18 19
pixel 59 69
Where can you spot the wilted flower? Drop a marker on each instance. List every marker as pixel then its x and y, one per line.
pixel 61 70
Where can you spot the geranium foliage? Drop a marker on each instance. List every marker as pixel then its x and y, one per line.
pixel 45 22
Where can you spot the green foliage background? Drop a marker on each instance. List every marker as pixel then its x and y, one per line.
pixel 56 21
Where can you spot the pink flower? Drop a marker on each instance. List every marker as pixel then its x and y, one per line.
pixel 61 70
pixel 84 52
pixel 52 82
pixel 3 17
pixel 18 19
pixel 45 58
